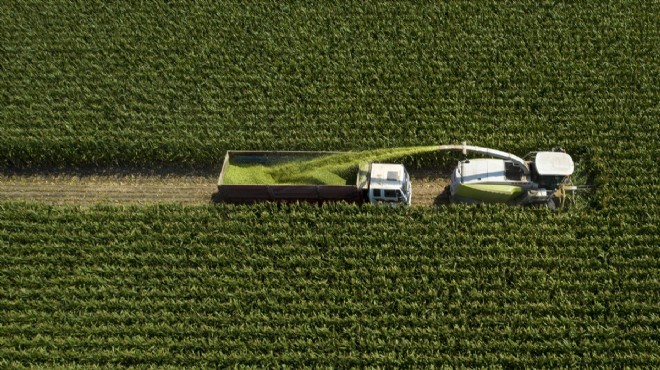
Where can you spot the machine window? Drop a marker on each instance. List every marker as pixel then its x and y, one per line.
pixel 377 193
pixel 512 172
pixel 390 193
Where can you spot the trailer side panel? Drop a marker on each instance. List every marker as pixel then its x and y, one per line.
pixel 253 193
pixel 242 194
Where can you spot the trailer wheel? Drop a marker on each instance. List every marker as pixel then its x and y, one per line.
pixel 215 197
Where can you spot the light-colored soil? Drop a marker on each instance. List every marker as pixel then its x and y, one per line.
pixel 94 189
pixel 429 187
pixel 127 188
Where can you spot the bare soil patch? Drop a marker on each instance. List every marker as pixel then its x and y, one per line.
pixel 429 187
pixel 148 187
pixel 91 189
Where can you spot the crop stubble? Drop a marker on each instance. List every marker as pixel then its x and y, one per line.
pixel 148 189
pixel 95 189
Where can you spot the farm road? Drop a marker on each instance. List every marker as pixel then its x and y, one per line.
pixel 149 188
pixel 115 188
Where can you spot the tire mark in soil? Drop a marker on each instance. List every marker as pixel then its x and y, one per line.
pixel 89 189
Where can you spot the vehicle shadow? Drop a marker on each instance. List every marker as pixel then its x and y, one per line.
pixel 443 199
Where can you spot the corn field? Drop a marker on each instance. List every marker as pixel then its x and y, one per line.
pixel 176 84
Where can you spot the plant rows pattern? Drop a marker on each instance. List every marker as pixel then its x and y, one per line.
pixel 177 84
pixel 332 286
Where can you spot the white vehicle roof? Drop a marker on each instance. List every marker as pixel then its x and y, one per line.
pixel 482 170
pixel 554 164
pixel 387 176
pixel 491 153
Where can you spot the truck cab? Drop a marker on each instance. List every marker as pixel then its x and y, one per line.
pixel 389 184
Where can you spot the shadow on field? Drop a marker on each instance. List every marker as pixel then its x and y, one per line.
pixel 430 186
pixel 157 171
pixel 443 198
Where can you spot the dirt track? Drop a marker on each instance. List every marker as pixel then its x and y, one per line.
pixel 126 188
pixel 429 187
pixel 93 189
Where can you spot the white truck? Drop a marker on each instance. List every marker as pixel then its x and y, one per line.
pixel 377 183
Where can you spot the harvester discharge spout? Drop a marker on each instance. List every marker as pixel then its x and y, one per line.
pixel 489 152
pixel 537 179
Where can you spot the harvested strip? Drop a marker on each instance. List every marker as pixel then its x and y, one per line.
pixel 428 187
pixel 88 190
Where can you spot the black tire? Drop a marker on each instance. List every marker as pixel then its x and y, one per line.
pixel 215 197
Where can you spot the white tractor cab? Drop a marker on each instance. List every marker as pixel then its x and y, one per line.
pixel 506 178
pixel 385 183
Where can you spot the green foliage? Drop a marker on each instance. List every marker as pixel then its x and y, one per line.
pixel 334 286
pixel 87 83
pixel 248 174
pixel 330 169
pixel 180 83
